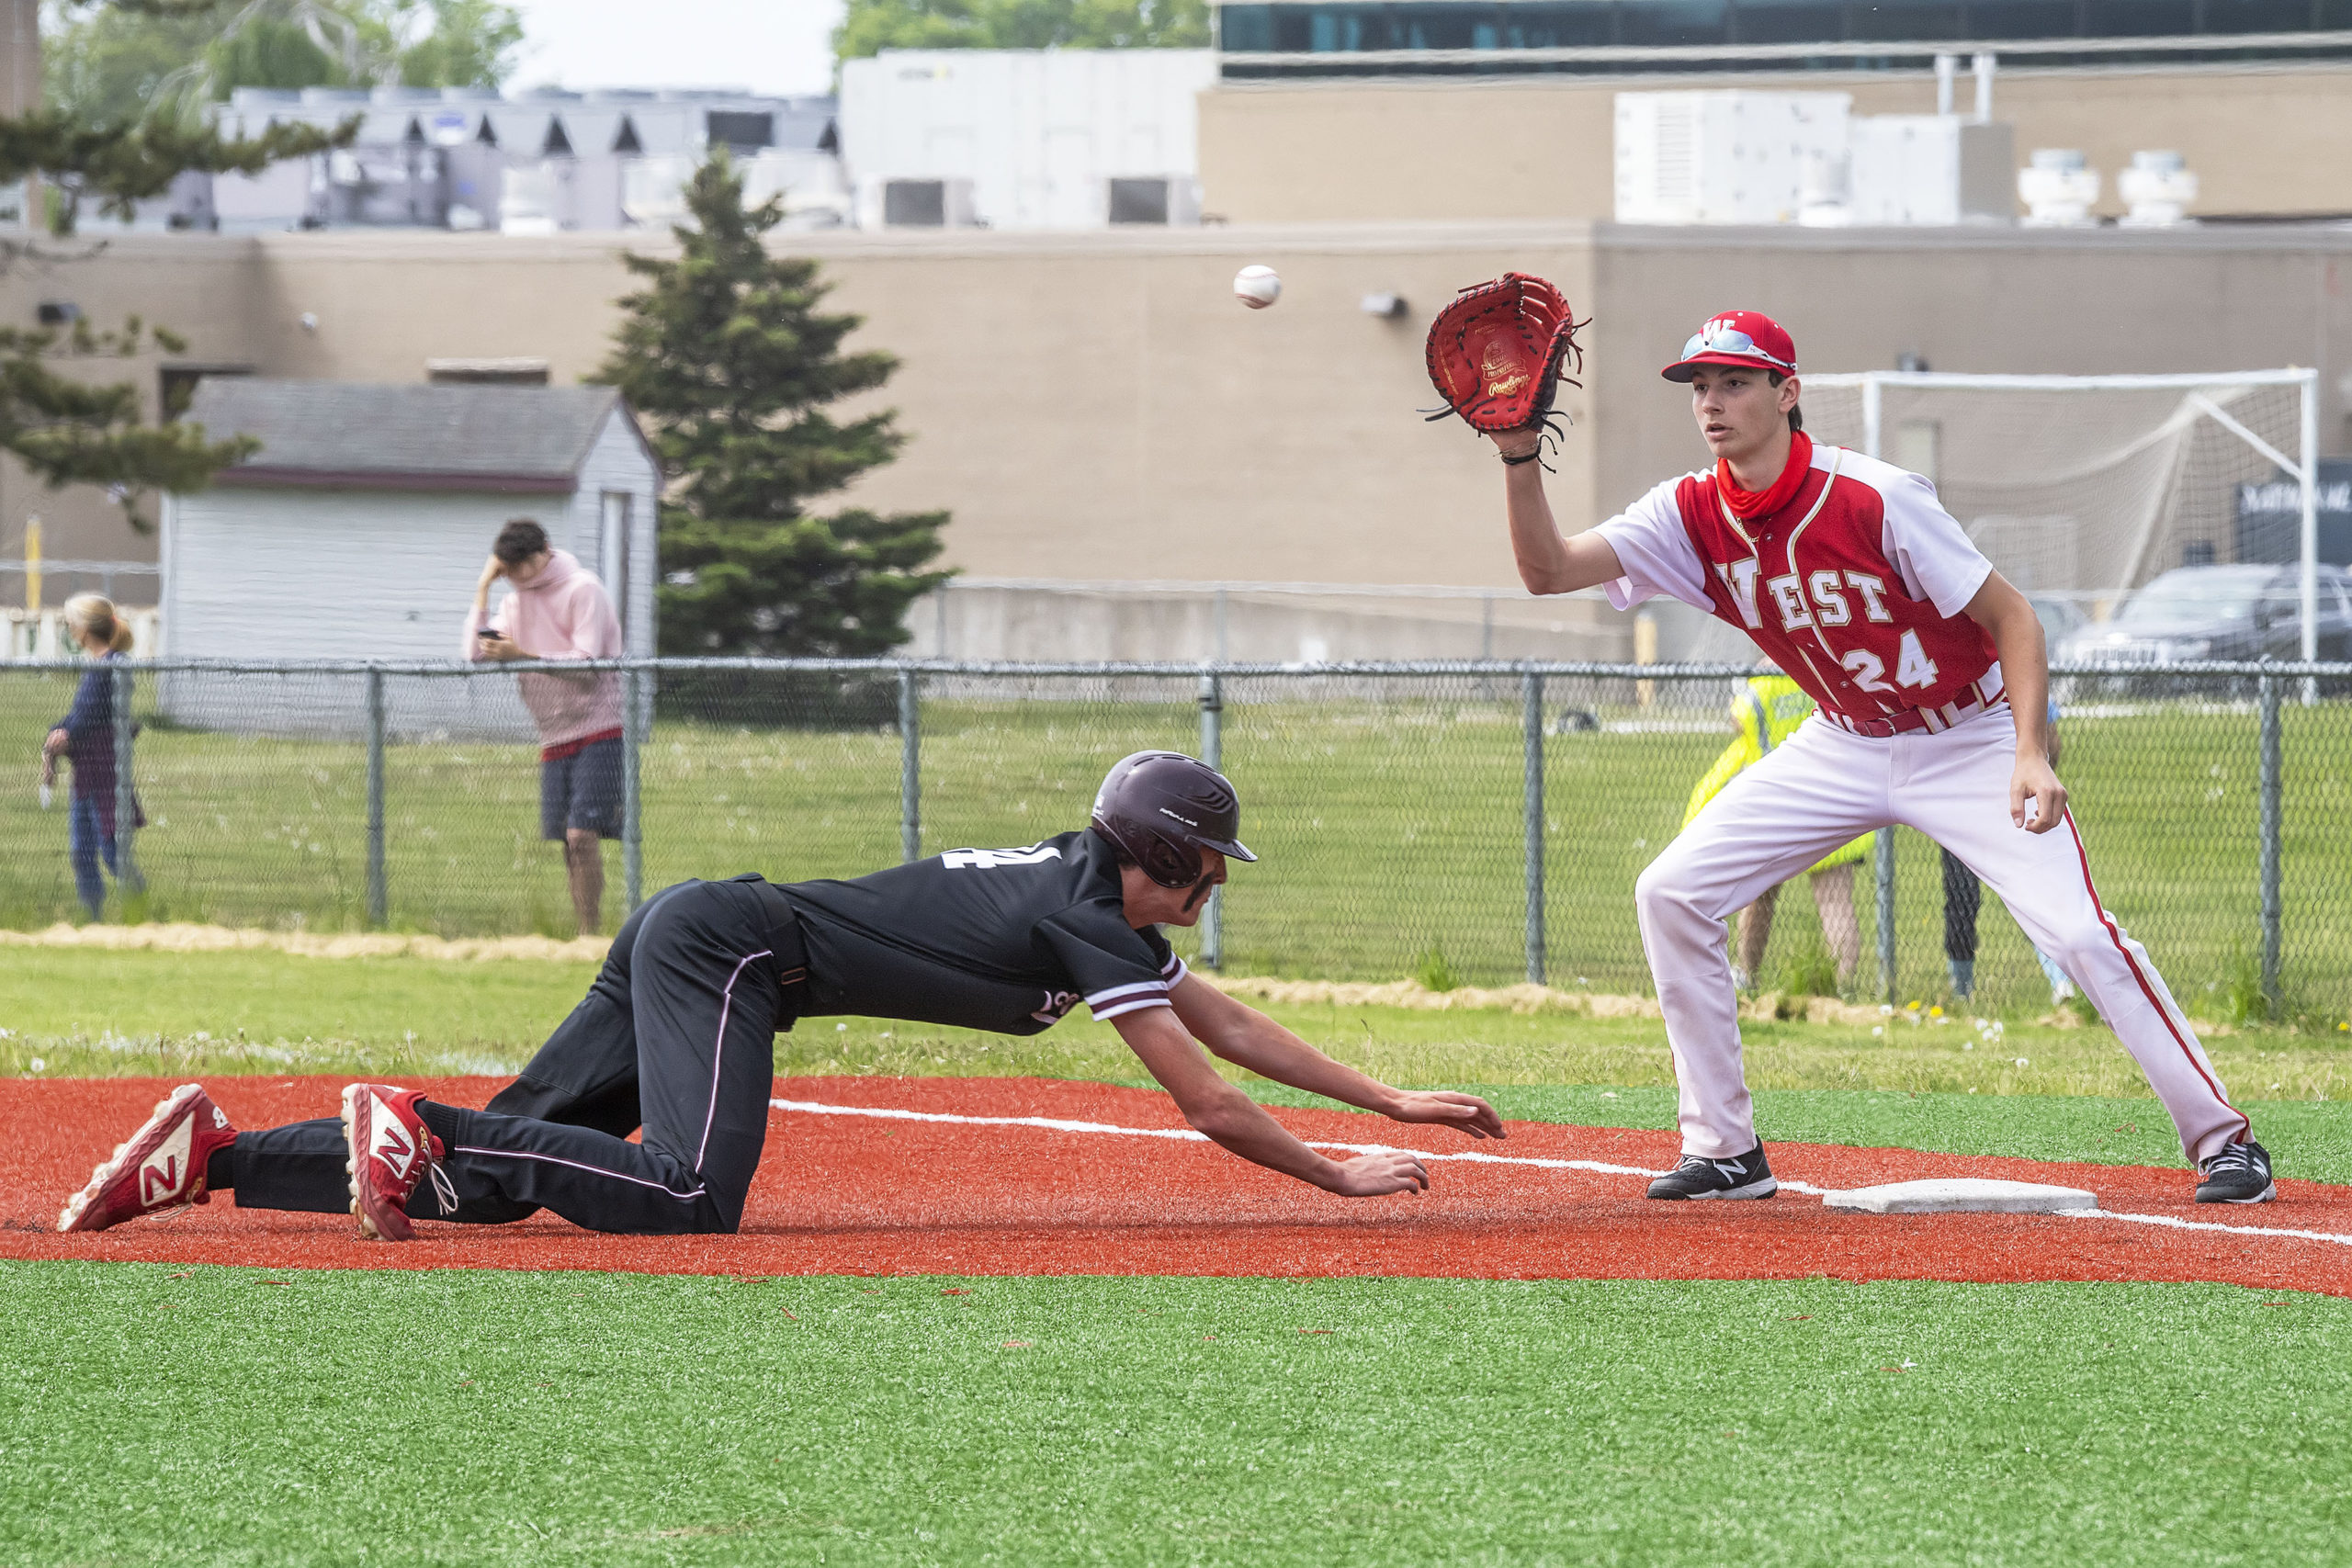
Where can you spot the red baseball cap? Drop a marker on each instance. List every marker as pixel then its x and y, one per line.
pixel 1736 337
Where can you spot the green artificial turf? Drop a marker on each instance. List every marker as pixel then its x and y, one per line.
pixel 1957 1090
pixel 93 1013
pixel 1391 818
pixel 150 1414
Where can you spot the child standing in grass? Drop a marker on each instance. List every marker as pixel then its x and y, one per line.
pixel 85 737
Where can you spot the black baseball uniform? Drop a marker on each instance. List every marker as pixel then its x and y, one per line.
pixel 676 1035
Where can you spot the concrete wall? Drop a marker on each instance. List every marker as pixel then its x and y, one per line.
pixel 2261 139
pixel 2019 301
pixel 207 291
pixel 981 619
pixel 1097 407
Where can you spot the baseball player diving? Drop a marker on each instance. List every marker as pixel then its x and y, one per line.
pixel 676 1036
pixel 1930 677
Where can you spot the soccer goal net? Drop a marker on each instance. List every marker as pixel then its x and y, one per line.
pixel 2080 489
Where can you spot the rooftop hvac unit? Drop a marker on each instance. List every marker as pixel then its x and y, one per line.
pixel 1723 157
pixel 918 204
pixel 1931 169
pixel 1161 198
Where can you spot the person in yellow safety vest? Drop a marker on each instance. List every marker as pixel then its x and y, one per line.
pixel 1766 712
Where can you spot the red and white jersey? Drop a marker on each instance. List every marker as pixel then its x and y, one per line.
pixel 1854 588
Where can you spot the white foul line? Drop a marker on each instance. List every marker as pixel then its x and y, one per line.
pixel 1186 1134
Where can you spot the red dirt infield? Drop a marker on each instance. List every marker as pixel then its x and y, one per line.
pixel 861 1195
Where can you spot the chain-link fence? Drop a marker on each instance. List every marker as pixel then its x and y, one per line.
pixel 1478 821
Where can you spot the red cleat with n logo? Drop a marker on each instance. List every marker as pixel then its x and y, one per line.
pixel 159 1169
pixel 391 1151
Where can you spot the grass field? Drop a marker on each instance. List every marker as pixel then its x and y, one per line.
pixel 1392 828
pixel 192 1413
pixel 228 1415
pixel 1949 1089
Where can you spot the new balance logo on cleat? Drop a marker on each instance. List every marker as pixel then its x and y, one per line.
pixel 391 1150
pixel 388 1140
pixel 163 1172
pixel 1699 1177
pixel 158 1169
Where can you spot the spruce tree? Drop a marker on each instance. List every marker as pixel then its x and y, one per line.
pixel 66 428
pixel 733 364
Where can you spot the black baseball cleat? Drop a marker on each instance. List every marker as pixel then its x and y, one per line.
pixel 1743 1176
pixel 2239 1174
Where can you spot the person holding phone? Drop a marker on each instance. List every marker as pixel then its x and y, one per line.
pixel 558 611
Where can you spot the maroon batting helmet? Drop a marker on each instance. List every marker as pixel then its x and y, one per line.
pixel 1162 808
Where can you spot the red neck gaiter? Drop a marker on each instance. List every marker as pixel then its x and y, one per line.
pixel 1749 504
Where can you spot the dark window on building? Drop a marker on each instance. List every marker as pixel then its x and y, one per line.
pixel 2257 15
pixel 1995 19
pixel 740 128
pixel 1897 21
pixel 1446 26
pixel 1590 26
pixel 915 204
pixel 1246 29
pixel 2138 18
pixel 1345 28
pixel 1786 21
pixel 1667 24
pixel 1138 201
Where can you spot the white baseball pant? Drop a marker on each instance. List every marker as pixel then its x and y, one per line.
pixel 1823 787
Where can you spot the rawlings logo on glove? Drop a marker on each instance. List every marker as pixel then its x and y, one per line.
pixel 1497 353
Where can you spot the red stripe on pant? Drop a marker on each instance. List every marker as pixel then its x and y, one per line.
pixel 2246 1127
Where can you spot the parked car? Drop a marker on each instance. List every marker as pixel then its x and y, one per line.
pixel 2061 618
pixel 2212 612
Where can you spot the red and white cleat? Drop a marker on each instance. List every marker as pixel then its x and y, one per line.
pixel 392 1150
pixel 159 1169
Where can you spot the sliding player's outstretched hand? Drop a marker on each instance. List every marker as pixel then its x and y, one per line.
pixel 1381 1172
pixel 1463 1112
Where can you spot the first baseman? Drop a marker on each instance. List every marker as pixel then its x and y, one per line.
pixel 1932 682
pixel 676 1037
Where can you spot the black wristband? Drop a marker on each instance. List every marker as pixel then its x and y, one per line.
pixel 1511 462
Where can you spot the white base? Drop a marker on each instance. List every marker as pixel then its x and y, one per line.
pixel 1961 1195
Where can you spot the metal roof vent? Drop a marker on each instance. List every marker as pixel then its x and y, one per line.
pixel 2160 189
pixel 2058 188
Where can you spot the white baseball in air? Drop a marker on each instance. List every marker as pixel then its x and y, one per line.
pixel 1257 287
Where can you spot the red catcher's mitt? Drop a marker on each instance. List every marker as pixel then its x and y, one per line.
pixel 1495 353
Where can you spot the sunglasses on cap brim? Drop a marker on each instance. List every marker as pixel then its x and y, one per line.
pixel 1731 340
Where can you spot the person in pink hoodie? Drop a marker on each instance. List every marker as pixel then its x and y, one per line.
pixel 558 611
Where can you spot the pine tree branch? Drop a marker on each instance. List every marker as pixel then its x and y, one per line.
pixel 121 166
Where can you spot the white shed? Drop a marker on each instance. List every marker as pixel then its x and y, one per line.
pixel 358 528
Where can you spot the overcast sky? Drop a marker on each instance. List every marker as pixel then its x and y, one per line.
pixel 768 46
